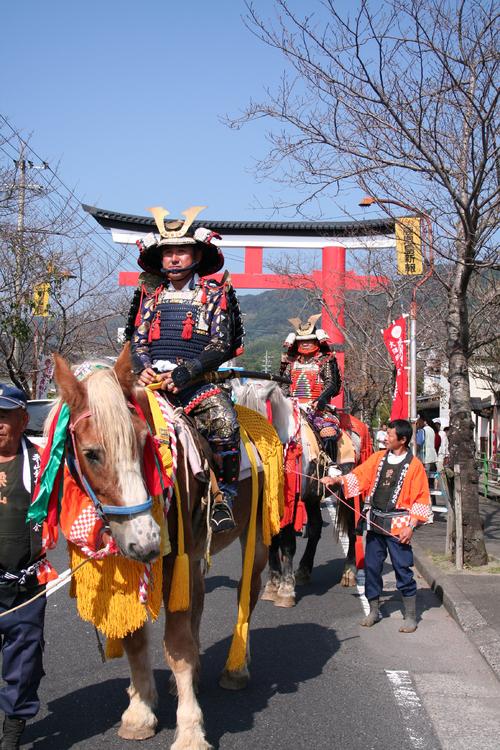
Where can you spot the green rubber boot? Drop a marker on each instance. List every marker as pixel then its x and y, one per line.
pixel 373 616
pixel 410 614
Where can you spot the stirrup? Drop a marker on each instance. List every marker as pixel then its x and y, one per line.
pixel 222 517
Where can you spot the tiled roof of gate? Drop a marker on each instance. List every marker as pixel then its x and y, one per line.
pixel 132 223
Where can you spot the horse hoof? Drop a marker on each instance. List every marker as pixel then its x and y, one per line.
pixel 302 576
pixel 286 593
pixel 348 578
pixel 139 733
pixel 234 680
pixel 270 592
pixel 285 601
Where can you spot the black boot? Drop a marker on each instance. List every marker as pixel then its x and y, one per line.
pixel 222 512
pixel 222 517
pixel 12 731
pixel 330 446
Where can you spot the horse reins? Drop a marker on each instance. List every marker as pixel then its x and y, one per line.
pixel 75 470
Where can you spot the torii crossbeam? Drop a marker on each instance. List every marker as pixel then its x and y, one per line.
pixel 332 238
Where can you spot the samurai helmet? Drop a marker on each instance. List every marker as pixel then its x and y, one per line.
pixel 306 331
pixel 177 233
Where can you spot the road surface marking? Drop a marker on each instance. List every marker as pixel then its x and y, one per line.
pixel 410 705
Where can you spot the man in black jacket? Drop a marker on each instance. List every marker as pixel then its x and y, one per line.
pixel 21 631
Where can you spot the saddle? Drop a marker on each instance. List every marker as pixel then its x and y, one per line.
pixel 263 442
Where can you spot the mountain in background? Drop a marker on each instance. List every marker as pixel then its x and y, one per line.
pixel 265 317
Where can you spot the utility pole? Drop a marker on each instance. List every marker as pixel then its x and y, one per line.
pixel 21 185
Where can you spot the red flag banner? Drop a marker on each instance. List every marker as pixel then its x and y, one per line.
pixel 395 341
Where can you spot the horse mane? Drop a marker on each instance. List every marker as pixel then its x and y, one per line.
pixel 110 412
pixel 254 395
pixel 111 415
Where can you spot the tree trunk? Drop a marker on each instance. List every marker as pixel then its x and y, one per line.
pixel 462 447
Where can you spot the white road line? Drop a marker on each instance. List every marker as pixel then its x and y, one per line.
pixel 344 541
pixel 410 706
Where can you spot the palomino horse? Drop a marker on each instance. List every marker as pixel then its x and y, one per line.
pixel 267 398
pixel 109 438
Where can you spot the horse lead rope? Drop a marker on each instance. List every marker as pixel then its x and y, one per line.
pixel 364 517
pixel 57 583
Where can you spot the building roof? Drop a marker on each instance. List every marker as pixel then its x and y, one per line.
pixel 144 224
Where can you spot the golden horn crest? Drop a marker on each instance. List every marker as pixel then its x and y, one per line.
pixel 174 229
pixel 313 319
pixel 296 322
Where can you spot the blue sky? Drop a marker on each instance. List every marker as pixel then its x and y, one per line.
pixel 126 100
pixel 127 97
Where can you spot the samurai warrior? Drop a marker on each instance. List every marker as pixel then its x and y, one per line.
pixel 310 362
pixel 183 325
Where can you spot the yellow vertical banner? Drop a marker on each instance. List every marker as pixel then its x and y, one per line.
pixel 409 246
pixel 41 294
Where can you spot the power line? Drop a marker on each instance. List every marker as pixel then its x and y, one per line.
pixel 103 248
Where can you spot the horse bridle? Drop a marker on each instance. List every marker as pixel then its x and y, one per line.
pixel 75 470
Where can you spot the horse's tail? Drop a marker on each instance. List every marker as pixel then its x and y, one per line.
pixel 345 508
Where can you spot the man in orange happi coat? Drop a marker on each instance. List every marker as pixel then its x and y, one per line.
pixel 398 500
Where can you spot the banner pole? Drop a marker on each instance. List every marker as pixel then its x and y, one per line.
pixel 413 373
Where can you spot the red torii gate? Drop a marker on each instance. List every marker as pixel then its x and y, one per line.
pixel 333 278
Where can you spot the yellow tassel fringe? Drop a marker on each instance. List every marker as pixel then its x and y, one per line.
pixel 107 590
pixel 266 440
pixel 179 599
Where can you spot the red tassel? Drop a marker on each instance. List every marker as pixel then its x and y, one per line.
pixel 239 351
pixel 187 327
pixel 154 331
pixel 203 299
pixel 223 301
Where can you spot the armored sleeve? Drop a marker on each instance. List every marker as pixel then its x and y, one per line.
pixel 332 381
pixel 140 336
pixel 284 371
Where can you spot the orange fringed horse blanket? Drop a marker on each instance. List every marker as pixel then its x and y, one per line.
pixel 107 589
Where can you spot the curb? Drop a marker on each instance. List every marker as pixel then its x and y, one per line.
pixel 470 620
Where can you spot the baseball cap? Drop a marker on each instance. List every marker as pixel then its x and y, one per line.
pixel 12 397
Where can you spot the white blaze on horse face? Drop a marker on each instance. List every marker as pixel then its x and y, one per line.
pixel 138 536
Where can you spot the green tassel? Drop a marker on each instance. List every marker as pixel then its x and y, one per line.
pixel 38 509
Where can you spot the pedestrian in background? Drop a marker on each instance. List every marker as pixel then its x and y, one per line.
pixel 381 438
pixel 444 450
pixel 21 631
pixel 427 453
pixel 398 500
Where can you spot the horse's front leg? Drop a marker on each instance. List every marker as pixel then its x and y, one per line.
pixel 271 588
pixel 286 591
pixel 182 656
pixel 139 721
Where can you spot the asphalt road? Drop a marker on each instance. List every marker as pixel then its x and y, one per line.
pixel 318 679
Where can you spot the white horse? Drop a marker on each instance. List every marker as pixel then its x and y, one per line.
pixel 267 398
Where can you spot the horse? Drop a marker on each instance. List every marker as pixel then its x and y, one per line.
pixel 109 437
pixel 267 398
